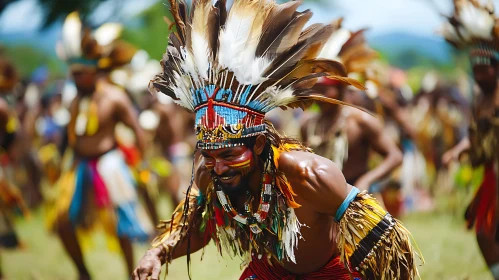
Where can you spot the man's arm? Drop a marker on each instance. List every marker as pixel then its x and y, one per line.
pixel 174 244
pixel 362 223
pixel 128 116
pixel 380 143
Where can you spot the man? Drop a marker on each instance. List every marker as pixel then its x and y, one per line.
pixel 258 189
pixel 11 200
pixel 98 187
pixel 346 135
pixel 482 142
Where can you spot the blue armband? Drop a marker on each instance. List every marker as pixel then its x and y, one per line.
pixel 343 207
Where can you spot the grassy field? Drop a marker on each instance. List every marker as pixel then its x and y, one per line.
pixel 449 250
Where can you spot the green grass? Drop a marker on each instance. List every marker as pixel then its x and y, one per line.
pixel 450 253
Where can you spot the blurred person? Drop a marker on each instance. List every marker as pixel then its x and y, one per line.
pixel 346 135
pixel 256 187
pixel 97 187
pixel 11 200
pixel 50 129
pixel 131 69
pixel 482 141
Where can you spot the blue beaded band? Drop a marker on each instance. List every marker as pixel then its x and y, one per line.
pixel 343 207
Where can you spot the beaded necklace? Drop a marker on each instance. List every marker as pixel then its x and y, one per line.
pixel 247 218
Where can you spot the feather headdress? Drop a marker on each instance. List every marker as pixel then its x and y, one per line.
pixel 232 66
pixel 100 47
pixel 474 25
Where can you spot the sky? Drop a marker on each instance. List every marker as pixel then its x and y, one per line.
pixel 420 17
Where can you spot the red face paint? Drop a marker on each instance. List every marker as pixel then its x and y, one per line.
pixel 230 162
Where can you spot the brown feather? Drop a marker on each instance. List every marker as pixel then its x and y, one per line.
pixel 313 51
pixel 278 18
pixel 349 81
pixel 174 40
pixel 310 31
pixel 288 59
pixel 213 30
pixel 312 96
pixel 355 39
pixel 174 10
pixel 291 33
pixel 308 67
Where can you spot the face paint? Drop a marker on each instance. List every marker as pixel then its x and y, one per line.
pixel 244 163
pixel 240 159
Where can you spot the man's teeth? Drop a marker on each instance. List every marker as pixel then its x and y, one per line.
pixel 227 178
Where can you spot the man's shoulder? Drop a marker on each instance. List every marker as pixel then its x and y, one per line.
pixel 296 163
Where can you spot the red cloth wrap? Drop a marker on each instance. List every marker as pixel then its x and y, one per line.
pixel 261 269
pixel 482 209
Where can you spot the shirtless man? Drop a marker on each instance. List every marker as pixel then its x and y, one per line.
pixel 258 188
pixel 98 180
pixel 482 142
pixel 346 136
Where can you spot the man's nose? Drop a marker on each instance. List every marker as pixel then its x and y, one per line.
pixel 220 167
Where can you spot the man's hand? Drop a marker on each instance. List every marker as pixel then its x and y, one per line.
pixel 454 153
pixel 149 265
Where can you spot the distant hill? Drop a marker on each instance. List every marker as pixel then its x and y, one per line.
pixel 397 46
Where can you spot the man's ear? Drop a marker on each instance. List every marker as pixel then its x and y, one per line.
pixel 260 142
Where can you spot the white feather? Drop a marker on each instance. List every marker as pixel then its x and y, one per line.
pixel 291 235
pixel 334 44
pixel 107 33
pixel 188 64
pixel 274 97
pixel 71 35
pixel 233 52
pixel 201 54
pixel 182 89
pixel 478 22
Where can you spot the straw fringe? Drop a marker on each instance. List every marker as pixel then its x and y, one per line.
pixel 392 256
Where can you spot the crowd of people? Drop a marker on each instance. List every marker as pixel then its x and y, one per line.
pixel 248 109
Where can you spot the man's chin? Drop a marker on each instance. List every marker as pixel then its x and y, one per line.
pixel 234 189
